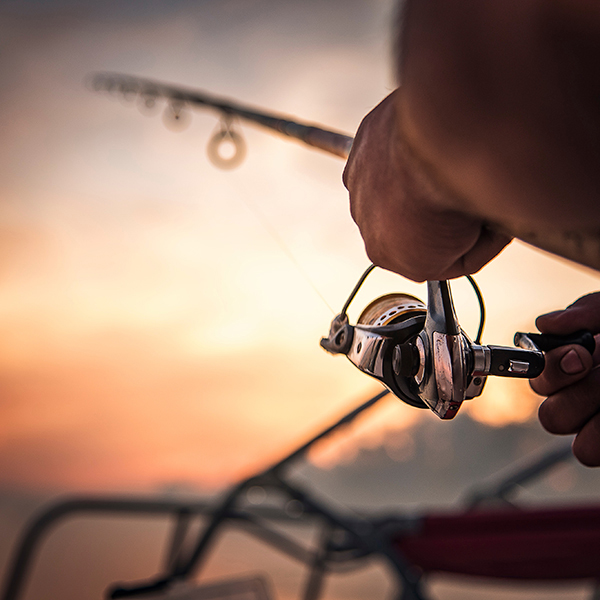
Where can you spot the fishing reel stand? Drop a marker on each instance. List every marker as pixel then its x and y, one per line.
pixel 421 354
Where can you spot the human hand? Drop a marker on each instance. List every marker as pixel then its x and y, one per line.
pixel 571 380
pixel 406 224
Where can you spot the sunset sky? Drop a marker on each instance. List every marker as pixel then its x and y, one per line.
pixel 154 328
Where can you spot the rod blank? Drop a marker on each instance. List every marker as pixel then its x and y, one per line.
pixel 333 142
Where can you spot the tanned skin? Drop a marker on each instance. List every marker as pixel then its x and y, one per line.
pixel 495 127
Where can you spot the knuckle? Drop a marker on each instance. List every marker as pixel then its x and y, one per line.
pixel 540 385
pixel 571 408
pixel 354 212
pixel 586 456
pixel 556 418
pixel 548 418
pixel 347 174
pixel 586 446
pixel 379 256
pixel 376 255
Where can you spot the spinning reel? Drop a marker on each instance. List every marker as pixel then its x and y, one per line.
pixel 421 354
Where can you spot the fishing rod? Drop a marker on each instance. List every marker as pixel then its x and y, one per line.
pixel 179 99
pixel 418 351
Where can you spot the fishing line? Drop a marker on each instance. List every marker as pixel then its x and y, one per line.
pixel 469 278
pixel 272 231
pixel 332 142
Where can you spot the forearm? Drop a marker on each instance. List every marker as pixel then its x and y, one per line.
pixel 499 102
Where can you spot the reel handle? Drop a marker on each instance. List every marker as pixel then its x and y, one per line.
pixel 527 360
pixel 547 341
pixel 515 362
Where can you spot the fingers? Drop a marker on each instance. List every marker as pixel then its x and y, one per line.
pixel 436 245
pixel 423 244
pixel 571 381
pixel 564 367
pixel 582 314
pixel 375 128
pixel 586 446
pixel 570 409
pixel 402 213
pixel 488 245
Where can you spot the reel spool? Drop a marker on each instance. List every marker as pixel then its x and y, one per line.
pixel 391 309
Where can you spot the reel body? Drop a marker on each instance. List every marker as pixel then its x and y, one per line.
pixel 421 354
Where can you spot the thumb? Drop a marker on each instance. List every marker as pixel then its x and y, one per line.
pixel 564 366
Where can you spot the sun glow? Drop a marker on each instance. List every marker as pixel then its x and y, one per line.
pixel 158 317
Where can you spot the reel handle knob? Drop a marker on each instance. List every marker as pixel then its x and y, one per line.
pixel 547 341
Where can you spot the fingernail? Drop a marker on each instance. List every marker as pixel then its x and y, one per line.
pixel 571 363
